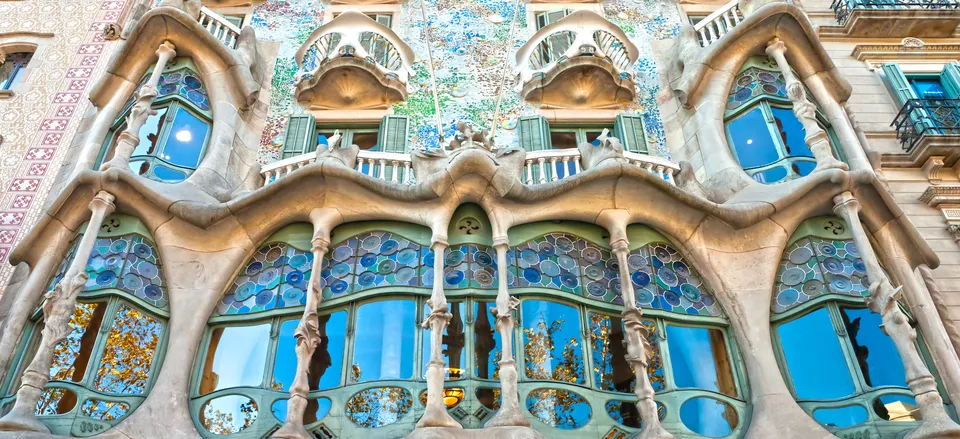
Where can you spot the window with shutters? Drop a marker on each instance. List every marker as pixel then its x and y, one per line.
pixel 173 141
pixel 553 47
pixel 766 137
pixel 929 102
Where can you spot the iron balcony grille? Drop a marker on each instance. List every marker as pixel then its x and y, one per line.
pixel 922 117
pixel 843 8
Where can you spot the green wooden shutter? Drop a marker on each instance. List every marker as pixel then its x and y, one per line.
pixel 301 136
pixel 534 133
pixel 393 133
pixel 628 128
pixel 950 78
pixel 899 83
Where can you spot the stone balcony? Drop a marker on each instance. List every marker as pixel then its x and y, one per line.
pixel 894 18
pixel 354 63
pixel 219 27
pixel 580 61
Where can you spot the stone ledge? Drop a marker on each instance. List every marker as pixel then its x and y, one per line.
pixel 484 433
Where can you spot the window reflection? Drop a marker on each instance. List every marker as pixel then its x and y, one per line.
pixel 551 335
pixel 150 133
pixel 751 140
pixel 383 345
pixel 326 362
pixel 876 354
pixel 487 344
pixel 841 417
pixel 228 414
pixel 610 368
pixel 692 367
pixel 897 408
pixel 187 137
pixel 814 358
pixel 71 356
pixel 791 132
pixel 708 417
pixel 454 351
pixel 129 352
pixel 559 408
pixel 236 357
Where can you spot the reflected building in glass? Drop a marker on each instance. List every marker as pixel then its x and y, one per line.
pixel 303 219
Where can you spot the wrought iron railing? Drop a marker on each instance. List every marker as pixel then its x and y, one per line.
pixel 923 117
pixel 843 8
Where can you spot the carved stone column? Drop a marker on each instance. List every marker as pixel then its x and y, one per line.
pixel 435 414
pixel 509 413
pixel 140 111
pixel 308 337
pixel 59 306
pixel 883 300
pixel 806 112
pixel 638 349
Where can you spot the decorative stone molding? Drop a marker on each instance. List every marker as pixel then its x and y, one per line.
pixel 906 52
pixel 934 196
pixel 898 20
pixel 912 43
pixel 111 31
pixel 932 167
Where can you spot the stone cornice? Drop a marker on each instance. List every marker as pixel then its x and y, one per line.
pixel 934 196
pixel 875 54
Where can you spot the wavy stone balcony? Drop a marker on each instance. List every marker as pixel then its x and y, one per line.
pixel 353 62
pixel 581 61
pixel 219 27
pixel 894 18
pixel 719 23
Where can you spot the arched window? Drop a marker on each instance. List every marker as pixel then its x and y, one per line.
pixel 368 374
pixel 766 137
pixel 106 366
pixel 13 69
pixel 173 141
pixel 837 360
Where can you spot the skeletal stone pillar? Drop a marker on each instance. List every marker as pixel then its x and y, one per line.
pixel 59 306
pixel 638 349
pixel 883 300
pixel 806 112
pixel 140 111
pixel 435 414
pixel 308 337
pixel 509 413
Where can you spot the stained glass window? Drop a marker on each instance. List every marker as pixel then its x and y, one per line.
pixel 754 82
pixel 277 276
pixel 813 266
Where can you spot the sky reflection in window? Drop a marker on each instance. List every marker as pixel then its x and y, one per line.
pixel 239 357
pixel 551 336
pixel 383 346
pixel 877 356
pixel 751 139
pixel 791 132
pixel 691 364
pixel 487 344
pixel 814 358
pixel 326 362
pixel 186 140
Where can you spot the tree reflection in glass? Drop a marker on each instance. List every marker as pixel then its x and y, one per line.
pixel 379 406
pixel 129 352
pixel 560 408
pixel 326 362
pixel 487 345
pixel 383 345
pixel 551 335
pixel 814 357
pixel 228 414
pixel 610 368
pixel 71 357
pixel 453 342
pixel 691 366
pixel 236 357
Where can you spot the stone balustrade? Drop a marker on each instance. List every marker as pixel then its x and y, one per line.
pixel 219 27
pixel 719 23
pixel 387 166
pixel 555 164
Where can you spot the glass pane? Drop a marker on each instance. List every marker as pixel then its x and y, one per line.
pixel 379 406
pixel 751 139
pixel 928 88
pixel 692 367
pixel 841 417
pixel 454 351
pixel 236 357
pixel 383 346
pixel 169 175
pixel 551 336
pixel 876 354
pixel 55 401
pixel 139 167
pixel 104 410
pixel 626 413
pixel 708 417
pixel 327 359
pixel 559 408
pixel 228 414
pixel 772 175
pixel 490 398
pixel 610 368
pixel 791 132
pixel 150 133
pixel 186 140
pixel 487 344
pixel 366 141
pixel 129 352
pixel 316 410
pixel 803 168
pixel 814 358
pixel 592 136
pixel 563 139
pixel 71 356
pixel 898 408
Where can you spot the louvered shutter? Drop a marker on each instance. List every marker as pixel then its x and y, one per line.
pixel 628 128
pixel 899 83
pixel 301 136
pixel 534 133
pixel 393 133
pixel 950 78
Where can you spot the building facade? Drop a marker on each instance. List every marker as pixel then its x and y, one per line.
pixel 511 219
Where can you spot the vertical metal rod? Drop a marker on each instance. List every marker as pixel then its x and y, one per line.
pixel 433 75
pixel 506 66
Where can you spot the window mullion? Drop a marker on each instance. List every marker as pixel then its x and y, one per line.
pixel 168 122
pixel 349 336
pixel 664 345
pixel 772 128
pixel 271 357
pixel 587 351
pixel 849 355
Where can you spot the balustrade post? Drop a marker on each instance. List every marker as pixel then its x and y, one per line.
pixel 406 172
pixel 576 165
pixel 58 307
pixel 509 413
pixel 130 138
pixel 566 161
pixel 543 173
pixel 383 169
pixel 529 168
pixel 396 168
pixel 883 300
pixel 816 139
pixel 660 172
pixel 435 413
pixel 553 169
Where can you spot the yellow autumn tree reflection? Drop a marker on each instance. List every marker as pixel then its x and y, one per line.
pixel 128 352
pixel 216 418
pixel 541 362
pixel 610 367
pixel 379 406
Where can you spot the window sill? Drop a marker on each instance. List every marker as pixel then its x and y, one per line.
pixel 7 94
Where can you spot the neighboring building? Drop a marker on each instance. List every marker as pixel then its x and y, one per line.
pixel 504 219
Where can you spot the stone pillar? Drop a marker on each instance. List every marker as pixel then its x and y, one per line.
pixel 140 111
pixel 806 112
pixel 59 306
pixel 883 300
pixel 509 413
pixel 638 349
pixel 308 337
pixel 435 414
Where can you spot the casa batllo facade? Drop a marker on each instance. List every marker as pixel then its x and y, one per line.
pixel 509 219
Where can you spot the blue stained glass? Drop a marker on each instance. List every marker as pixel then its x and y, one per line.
pixel 277 276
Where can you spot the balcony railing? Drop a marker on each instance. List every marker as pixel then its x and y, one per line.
pixel 386 166
pixel 219 27
pixel 719 23
pixel 843 8
pixel 923 117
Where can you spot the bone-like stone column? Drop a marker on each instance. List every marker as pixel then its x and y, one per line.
pixel 308 337
pixel 883 300
pixel 435 414
pixel 59 306
pixel 638 349
pixel 509 413
pixel 806 112
pixel 140 111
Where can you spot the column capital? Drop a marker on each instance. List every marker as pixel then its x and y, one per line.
pixel 776 47
pixel 845 201
pixel 620 244
pixel 167 49
pixel 103 200
pixel 320 244
pixel 438 240
pixel 501 241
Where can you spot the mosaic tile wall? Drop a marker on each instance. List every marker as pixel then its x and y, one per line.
pixel 469 51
